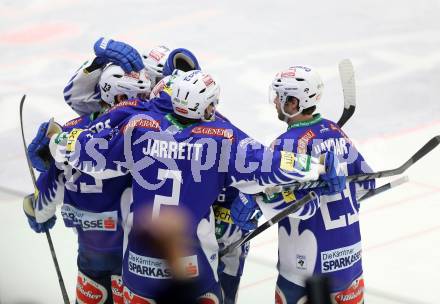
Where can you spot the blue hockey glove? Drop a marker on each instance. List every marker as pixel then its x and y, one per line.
pixel 245 212
pixel 120 53
pixel 28 208
pixel 335 178
pixel 38 149
pixel 180 59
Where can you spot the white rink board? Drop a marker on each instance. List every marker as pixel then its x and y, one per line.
pixel 394 46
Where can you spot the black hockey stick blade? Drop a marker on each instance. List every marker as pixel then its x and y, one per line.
pixel 285 212
pixel 34 181
pixel 346 73
pixel 428 147
pixel 346 115
pixel 383 188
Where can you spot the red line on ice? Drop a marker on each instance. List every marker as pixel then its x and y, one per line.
pixel 37 33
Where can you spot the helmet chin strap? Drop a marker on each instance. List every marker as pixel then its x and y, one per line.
pixel 287 116
pixel 210 118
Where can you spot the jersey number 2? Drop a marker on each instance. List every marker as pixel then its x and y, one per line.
pixel 173 200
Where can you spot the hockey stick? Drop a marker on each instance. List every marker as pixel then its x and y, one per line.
pixel 295 207
pixel 34 181
pixel 383 188
pixel 428 147
pixel 285 212
pixel 346 73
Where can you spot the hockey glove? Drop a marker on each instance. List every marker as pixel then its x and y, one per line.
pixel 29 211
pixel 245 212
pixel 38 149
pixel 335 178
pixel 180 59
pixel 120 53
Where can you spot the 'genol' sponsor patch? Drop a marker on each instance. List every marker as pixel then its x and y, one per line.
pixel 340 258
pixel 221 132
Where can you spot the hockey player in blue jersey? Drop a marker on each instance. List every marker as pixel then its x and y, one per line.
pixel 181 160
pixel 95 208
pixel 325 239
pixel 82 94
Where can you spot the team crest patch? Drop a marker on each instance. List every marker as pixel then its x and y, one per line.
pixel 301 262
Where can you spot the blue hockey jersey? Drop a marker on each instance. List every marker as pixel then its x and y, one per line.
pixel 176 166
pixel 92 206
pixel 327 240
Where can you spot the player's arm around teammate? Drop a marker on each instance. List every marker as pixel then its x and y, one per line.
pixel 160 148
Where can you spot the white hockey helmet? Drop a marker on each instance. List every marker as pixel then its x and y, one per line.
pixel 114 81
pixel 301 82
pixel 154 60
pixel 193 92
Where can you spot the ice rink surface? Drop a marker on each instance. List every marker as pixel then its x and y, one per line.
pixel 395 48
